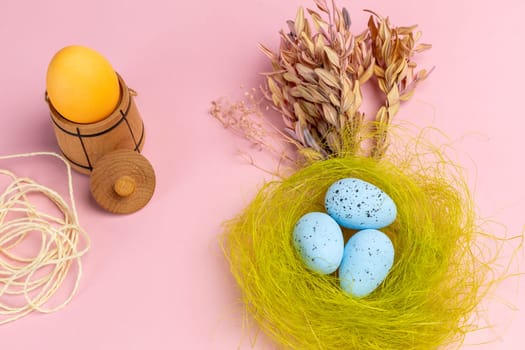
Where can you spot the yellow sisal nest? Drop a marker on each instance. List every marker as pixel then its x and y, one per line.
pixel 426 301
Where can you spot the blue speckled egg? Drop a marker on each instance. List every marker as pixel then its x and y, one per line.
pixel 318 240
pixel 367 259
pixel 358 205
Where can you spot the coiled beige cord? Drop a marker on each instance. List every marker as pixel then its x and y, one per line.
pixel 29 282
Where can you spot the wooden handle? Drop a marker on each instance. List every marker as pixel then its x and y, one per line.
pixel 124 186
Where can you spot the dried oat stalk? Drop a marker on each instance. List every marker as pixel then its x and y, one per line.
pixel 393 49
pixel 318 72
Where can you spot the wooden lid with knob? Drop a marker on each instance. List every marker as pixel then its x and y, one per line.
pixel 122 181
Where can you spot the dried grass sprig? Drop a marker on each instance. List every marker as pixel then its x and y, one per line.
pixel 246 118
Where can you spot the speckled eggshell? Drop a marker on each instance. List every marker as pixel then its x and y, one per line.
pixel 358 205
pixel 319 242
pixel 367 260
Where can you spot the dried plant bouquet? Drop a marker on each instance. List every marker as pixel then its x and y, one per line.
pixel 316 84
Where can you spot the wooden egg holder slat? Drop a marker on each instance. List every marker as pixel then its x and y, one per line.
pixel 84 145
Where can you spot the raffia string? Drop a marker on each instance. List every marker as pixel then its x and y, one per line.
pixel 28 284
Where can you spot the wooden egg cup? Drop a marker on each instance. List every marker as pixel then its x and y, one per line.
pixel 122 181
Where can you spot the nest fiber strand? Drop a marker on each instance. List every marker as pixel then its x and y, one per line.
pixel 426 301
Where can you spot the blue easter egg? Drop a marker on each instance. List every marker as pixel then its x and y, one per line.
pixel 367 260
pixel 319 242
pixel 358 205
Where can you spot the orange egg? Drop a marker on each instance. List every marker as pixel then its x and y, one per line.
pixel 81 84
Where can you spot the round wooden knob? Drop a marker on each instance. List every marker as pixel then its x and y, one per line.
pixel 124 186
pixel 122 181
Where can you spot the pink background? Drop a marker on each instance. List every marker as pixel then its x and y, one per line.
pixel 157 279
